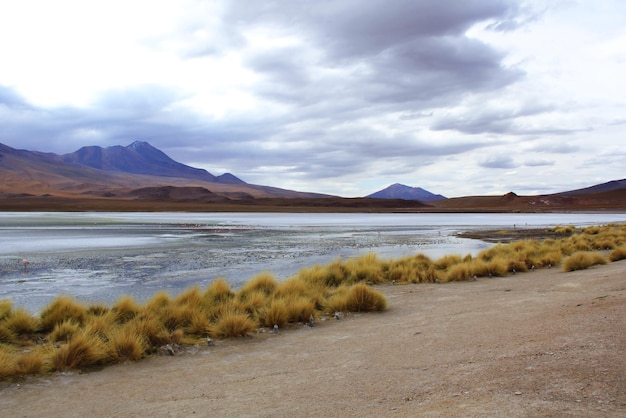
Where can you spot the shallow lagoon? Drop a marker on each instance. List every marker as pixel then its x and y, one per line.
pixel 98 257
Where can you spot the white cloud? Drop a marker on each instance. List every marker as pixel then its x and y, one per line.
pixel 341 97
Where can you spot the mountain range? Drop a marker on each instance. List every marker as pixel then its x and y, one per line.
pixel 141 177
pixel 116 171
pixel 141 158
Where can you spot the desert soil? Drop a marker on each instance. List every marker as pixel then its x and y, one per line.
pixel 543 343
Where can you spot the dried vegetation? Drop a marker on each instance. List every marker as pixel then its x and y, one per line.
pixel 68 335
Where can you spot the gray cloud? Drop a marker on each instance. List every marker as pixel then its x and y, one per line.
pixel 344 88
pixel 498 161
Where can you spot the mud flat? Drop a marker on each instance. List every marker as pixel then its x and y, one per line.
pixel 543 343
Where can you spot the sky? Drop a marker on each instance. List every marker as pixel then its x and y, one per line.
pixel 343 97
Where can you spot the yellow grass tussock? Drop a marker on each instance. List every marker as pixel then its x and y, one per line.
pixel 218 291
pixel 8 366
pixel 617 254
pixel 21 322
pixel 7 336
pixel 300 309
pixel 82 351
pixel 583 260
pixel 30 362
pixel 232 324
pixel 61 309
pixel 64 331
pixel 362 298
pixel 264 283
pixel 6 306
pixel 275 314
pixel 125 309
pixel 126 343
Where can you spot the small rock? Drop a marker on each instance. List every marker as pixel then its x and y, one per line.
pixel 518 393
pixel 167 350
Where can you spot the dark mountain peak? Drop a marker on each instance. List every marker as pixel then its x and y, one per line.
pixel 138 145
pixel 137 158
pixel 401 191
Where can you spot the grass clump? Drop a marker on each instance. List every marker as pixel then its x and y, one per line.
pixel 8 366
pixel 362 298
pixel 125 309
pixel 263 283
pixel 219 291
pixel 275 314
pixel 583 260
pixel 31 362
pixel 82 351
pixel 22 323
pixel 64 331
pixel 233 324
pixel 6 306
pixel 617 254
pixel 63 308
pixel 126 344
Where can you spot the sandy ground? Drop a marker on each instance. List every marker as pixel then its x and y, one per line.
pixel 545 343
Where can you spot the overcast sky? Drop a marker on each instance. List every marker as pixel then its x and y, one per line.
pixel 343 97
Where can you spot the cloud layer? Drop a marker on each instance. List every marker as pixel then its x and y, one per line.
pixel 341 97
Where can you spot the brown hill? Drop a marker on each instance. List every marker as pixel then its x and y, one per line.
pixel 614 200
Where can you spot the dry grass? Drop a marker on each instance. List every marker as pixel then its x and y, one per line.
pixel 8 366
pixel 6 306
pixel 219 291
pixel 7 336
pixel 84 350
pixel 300 309
pixel 275 314
pixel 31 362
pixel 583 260
pixel 71 336
pixel 264 283
pixel 362 298
pixel 22 322
pixel 64 331
pixel 233 324
pixel 125 309
pixel 62 309
pixel 618 253
pixel 126 344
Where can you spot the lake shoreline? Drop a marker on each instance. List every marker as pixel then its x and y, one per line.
pixel 541 343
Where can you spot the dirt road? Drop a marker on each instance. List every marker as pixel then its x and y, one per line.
pixel 545 343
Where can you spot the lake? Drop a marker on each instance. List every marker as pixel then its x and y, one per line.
pixel 98 257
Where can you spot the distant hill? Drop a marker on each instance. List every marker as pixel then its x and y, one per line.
pixel 610 186
pixel 400 191
pixel 606 196
pixel 141 158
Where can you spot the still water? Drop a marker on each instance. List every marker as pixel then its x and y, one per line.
pixel 97 257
